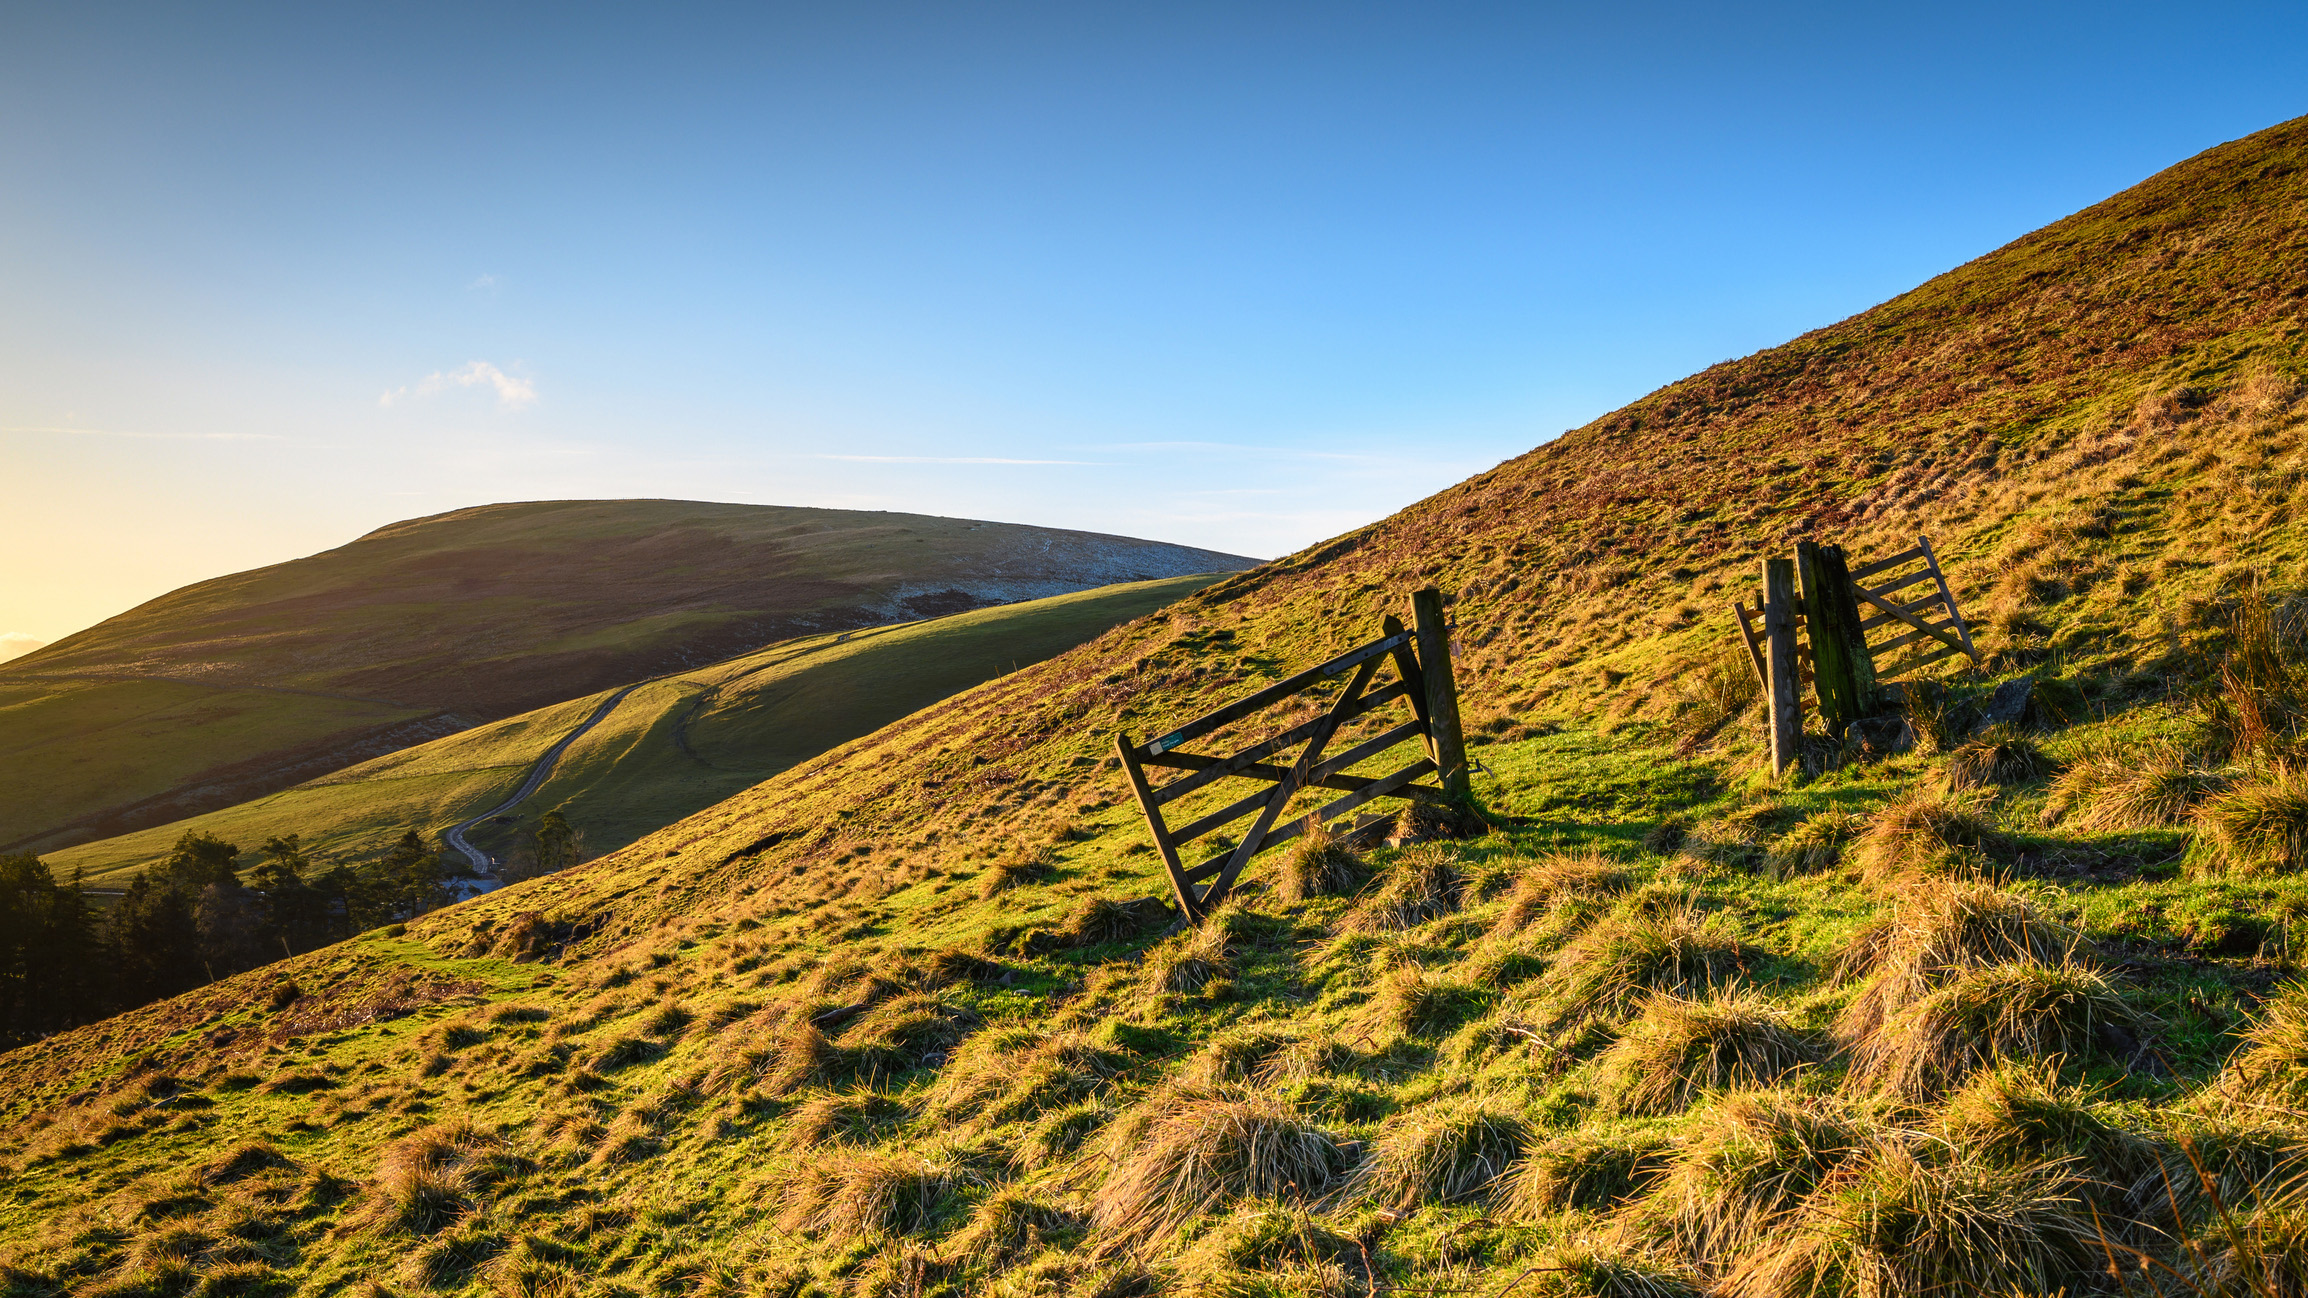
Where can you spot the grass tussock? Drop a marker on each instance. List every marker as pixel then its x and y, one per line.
pixel 1421 886
pixel 2205 1165
pixel 2258 825
pixel 868 1194
pixel 1013 1224
pixel 1319 865
pixel 2261 1253
pixel 1997 756
pixel 1993 1014
pixel 2021 1112
pixel 1440 1153
pixel 430 1179
pixel 1015 870
pixel 1417 1003
pixel 1755 1159
pixel 2272 1068
pixel 2114 787
pixel 1202 1151
pixel 1006 1074
pixel 1238 1055
pixel 1912 1220
pixel 1588 1172
pixel 1624 957
pixel 1099 921
pixel 1816 844
pixel 1187 963
pixel 1917 831
pixel 843 1117
pixel 1587 1271
pixel 1937 929
pixel 1679 1049
pixel 1561 886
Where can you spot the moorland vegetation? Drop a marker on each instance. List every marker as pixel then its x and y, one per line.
pixel 2003 1006
pixel 243 685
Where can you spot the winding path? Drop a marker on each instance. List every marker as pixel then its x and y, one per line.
pixel 538 774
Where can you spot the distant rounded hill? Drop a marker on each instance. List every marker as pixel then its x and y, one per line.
pixel 240 685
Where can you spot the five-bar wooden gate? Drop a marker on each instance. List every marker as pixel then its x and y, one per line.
pixel 1422 679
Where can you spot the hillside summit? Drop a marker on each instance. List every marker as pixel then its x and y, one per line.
pixel 2004 1010
pixel 239 686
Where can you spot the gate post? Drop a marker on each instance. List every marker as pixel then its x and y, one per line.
pixel 1841 670
pixel 1780 680
pixel 1442 694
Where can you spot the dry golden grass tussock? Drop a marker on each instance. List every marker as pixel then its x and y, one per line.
pixel 1319 865
pixel 868 1194
pixel 1936 930
pixel 1623 957
pixel 1014 871
pixel 904 1033
pixel 1992 1014
pixel 429 1179
pixel 1422 884
pixel 1916 830
pixel 1187 962
pixel 1417 1003
pixel 842 1117
pixel 1577 881
pixel 1202 1151
pixel 1996 756
pixel 1678 1049
pixel 2207 1163
pixel 1756 1157
pixel 1585 1171
pixel 2272 1068
pixel 2258 825
pixel 2113 787
pixel 1814 845
pixel 2256 1254
pixel 1916 1220
pixel 1441 1152
pixel 1010 1225
pixel 2020 1112
pixel 1096 921
pixel 1590 1271
pixel 1270 1249
pixel 1238 1055
pixel 1008 1073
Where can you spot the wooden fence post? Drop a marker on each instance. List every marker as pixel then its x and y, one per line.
pixel 1780 679
pixel 1442 693
pixel 1841 670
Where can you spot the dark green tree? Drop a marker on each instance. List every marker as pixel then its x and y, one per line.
pixel 155 942
pixel 556 843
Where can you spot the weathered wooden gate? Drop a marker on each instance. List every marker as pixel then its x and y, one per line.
pixel 1837 613
pixel 1422 679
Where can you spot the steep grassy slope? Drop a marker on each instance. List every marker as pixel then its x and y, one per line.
pixel 247 684
pixel 1980 1016
pixel 672 747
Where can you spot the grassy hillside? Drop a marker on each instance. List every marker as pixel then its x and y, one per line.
pixel 672 747
pixel 251 683
pixel 2000 1012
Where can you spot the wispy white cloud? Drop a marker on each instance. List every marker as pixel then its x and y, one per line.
pixel 483 284
pixel 166 437
pixel 513 392
pixel 16 644
pixel 945 459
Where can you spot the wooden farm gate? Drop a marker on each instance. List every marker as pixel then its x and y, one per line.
pixel 1422 679
pixel 1838 609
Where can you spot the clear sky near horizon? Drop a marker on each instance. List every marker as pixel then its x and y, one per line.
pixel 1237 275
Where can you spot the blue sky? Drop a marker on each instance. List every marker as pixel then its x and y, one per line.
pixel 1238 275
